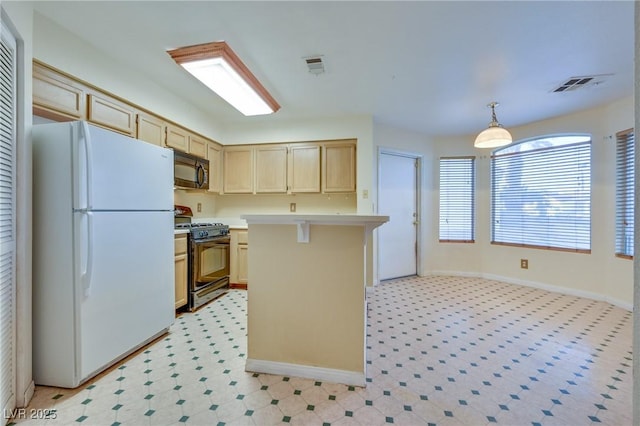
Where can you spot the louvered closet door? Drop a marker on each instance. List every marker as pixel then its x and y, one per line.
pixel 7 221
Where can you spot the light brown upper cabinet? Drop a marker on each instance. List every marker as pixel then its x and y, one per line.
pixel 112 114
pixel 304 168
pixel 339 166
pixel 214 155
pixel 57 97
pixel 150 129
pixel 177 138
pixel 197 146
pixel 271 169
pixel 238 169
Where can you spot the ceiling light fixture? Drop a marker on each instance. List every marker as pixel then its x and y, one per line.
pixel 495 135
pixel 222 71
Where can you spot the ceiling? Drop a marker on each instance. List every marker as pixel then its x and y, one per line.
pixel 425 66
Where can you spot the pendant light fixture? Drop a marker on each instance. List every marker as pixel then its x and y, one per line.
pixel 495 135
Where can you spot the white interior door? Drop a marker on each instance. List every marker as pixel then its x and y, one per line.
pixel 398 199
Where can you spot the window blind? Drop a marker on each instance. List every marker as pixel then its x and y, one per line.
pixel 457 199
pixel 625 173
pixel 541 193
pixel 7 218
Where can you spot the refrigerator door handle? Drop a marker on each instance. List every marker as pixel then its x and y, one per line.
pixel 87 269
pixel 88 161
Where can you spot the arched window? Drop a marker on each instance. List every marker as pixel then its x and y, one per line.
pixel 541 193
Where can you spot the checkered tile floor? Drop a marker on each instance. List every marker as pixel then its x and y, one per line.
pixel 441 351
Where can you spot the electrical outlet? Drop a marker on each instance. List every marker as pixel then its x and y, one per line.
pixel 199 207
pixel 292 207
pixel 524 263
pixel 365 194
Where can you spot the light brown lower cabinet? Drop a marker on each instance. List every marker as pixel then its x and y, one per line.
pixel 180 258
pixel 239 265
pixel 243 264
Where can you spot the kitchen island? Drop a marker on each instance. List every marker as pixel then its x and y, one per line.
pixel 306 299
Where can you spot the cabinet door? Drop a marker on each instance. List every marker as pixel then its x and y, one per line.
pixel 112 114
pixel 271 169
pixel 177 138
pixel 304 168
pixel 238 170
pixel 180 258
pixel 56 97
pixel 238 273
pixel 243 264
pixel 181 280
pixel 150 129
pixel 197 146
pixel 339 167
pixel 214 155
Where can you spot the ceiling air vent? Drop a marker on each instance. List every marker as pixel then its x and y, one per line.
pixel 575 83
pixel 315 64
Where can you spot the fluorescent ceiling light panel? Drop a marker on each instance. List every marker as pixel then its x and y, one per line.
pixel 220 69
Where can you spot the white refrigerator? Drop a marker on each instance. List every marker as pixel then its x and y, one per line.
pixel 103 249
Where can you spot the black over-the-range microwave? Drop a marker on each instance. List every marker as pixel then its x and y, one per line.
pixel 190 171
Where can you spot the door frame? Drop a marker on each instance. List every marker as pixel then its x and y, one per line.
pixel 382 150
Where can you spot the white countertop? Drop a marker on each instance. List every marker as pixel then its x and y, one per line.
pixel 316 219
pixel 180 231
pixel 304 221
pixel 232 222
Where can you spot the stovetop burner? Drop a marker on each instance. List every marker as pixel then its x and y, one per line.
pixel 204 230
pixel 200 225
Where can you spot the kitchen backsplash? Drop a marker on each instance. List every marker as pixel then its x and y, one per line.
pixel 191 199
pixel 234 205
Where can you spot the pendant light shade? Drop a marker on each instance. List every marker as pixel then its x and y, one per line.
pixel 495 135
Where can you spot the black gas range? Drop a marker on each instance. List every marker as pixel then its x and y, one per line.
pixel 208 261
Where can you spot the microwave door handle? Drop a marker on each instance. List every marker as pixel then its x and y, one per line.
pixel 201 175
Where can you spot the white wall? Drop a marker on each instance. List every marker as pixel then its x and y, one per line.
pixel 598 275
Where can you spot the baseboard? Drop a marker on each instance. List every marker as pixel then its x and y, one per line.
pixel 352 378
pixel 238 286
pixel 28 394
pixel 542 286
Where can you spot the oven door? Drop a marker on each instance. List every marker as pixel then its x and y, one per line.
pixel 210 261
